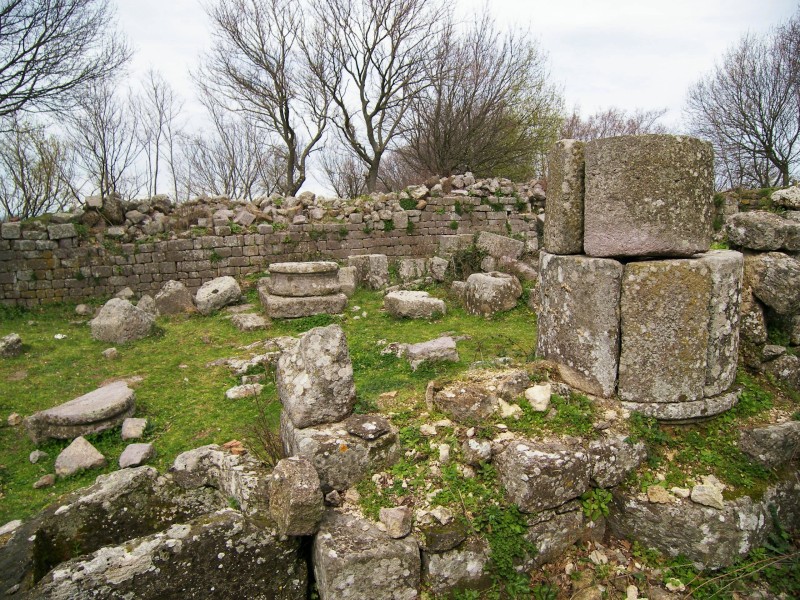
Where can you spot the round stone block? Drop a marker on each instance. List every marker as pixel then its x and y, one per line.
pixel 301 279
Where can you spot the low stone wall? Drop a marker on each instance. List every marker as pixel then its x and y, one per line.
pixel 42 261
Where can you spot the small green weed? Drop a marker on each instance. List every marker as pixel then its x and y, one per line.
pixel 595 503
pixel 408 204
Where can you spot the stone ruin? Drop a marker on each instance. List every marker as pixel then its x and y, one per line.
pixel 633 303
pixel 302 289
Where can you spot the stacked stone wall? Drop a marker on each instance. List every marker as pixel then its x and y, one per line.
pixel 42 263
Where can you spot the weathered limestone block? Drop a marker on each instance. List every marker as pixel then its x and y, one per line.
pixel 709 537
pixel 133 429
pixel 498 246
pixel 101 409
pixel 665 316
pixel 441 349
pixel 295 497
pixel 397 520
pixel 409 269
pixel 78 456
pixel 787 198
pixel 148 305
pixel 553 531
pixel 314 377
pixel 249 322
pixel 10 345
pixel 785 369
pixel 542 474
pixel 413 305
pixel 563 225
pixel 477 395
pixel 463 568
pixel 579 319
pixel 757 230
pixel 372 270
pixel 437 267
pixel 340 457
pixel 174 298
pixel 686 411
pixel 300 279
pixel 450 244
pixel 285 307
pixel 354 560
pixel 226 552
pixel 61 231
pixel 648 195
pixel 136 455
pixel 612 458
pixel 773 445
pixel 775 280
pixel 347 280
pixel 216 294
pixel 120 322
pixel 727 272
pixel 488 293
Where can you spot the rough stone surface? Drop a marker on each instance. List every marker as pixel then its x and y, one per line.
pixel 367 427
pixel 612 458
pixel 372 270
pixel 249 322
pixel 775 280
pixel 314 377
pixel 133 429
pixel 353 560
pixel 709 537
pixel 174 298
pixel 787 198
pixel 476 451
pixel 10 345
pixel 563 225
pixel 727 271
pixel 409 269
pixel 148 305
pixel 685 411
pixel 340 458
pixel 397 521
pixel 648 195
pixel 758 230
pixel 542 474
pixel 120 322
pixel 579 319
pixel 440 349
pixel 486 294
pixel 79 455
pixel 101 409
pixel 665 315
pixel 785 369
pixel 437 267
pixel 225 552
pixel 283 307
pixel 300 279
pixel 773 445
pixel 295 497
pixel 413 305
pixel 708 495
pixel 477 394
pixel 216 294
pixel 62 231
pixel 347 280
pixel 498 246
pixel 463 568
pixel 136 455
pixel 553 531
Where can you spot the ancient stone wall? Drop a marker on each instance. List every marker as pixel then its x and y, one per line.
pixel 70 257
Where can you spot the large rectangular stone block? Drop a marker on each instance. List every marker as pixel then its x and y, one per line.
pixel 579 319
pixel 665 321
pixel 648 195
pixel 563 225
pixel 723 326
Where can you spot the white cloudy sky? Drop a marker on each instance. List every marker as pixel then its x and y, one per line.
pixel 626 53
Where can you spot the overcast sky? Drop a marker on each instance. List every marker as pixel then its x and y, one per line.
pixel 625 53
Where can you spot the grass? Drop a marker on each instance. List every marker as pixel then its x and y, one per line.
pixel 183 399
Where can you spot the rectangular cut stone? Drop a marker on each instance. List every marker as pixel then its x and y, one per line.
pixel 727 269
pixel 579 319
pixel 498 246
pixel 665 323
pixel 648 195
pixel 286 307
pixel 563 225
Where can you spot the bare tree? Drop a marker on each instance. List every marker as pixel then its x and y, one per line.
pixel 231 160
pixel 375 52
pixel 159 109
pixel 102 130
pixel 489 109
pixel 49 48
pixel 611 122
pixel 35 171
pixel 749 107
pixel 345 173
pixel 259 65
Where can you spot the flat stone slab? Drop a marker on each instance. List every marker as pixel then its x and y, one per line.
pixel 284 307
pixel 78 456
pixel 578 318
pixel 301 279
pixel 413 305
pixel 440 349
pixel 686 411
pixel 102 409
pixel 249 322
pixel 648 195
pixel 135 455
